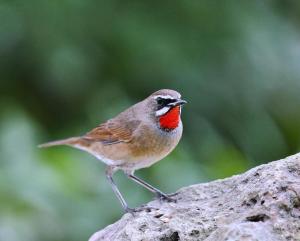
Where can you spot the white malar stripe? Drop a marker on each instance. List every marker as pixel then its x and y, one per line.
pixel 164 97
pixel 162 111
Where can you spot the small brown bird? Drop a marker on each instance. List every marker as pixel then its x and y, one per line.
pixel 136 138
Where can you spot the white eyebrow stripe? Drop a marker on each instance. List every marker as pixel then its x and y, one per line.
pixel 162 111
pixel 164 97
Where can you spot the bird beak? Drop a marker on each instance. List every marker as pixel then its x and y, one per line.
pixel 178 102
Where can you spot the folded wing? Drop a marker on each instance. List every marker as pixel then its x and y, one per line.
pixel 112 132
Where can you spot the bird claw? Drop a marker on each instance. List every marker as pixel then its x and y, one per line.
pixel 138 209
pixel 132 210
pixel 166 197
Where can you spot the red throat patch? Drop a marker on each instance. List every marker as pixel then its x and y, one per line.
pixel 171 119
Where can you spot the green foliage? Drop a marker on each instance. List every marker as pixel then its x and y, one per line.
pixel 66 66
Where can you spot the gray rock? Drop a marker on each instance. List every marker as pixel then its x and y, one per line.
pixel 262 204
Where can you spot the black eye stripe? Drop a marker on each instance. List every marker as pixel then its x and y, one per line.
pixel 163 102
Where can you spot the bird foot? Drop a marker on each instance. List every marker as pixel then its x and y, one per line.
pixel 166 197
pixel 139 209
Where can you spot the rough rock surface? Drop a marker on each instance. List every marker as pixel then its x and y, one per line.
pixel 262 204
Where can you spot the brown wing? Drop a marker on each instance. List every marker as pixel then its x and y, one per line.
pixel 112 132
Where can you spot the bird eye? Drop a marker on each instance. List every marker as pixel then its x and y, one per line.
pixel 160 100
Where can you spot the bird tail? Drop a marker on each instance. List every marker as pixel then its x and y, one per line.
pixel 70 141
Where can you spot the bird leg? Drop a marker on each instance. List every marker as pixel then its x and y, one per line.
pixel 109 175
pixel 146 185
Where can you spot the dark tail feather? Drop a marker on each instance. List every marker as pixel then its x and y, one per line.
pixel 69 141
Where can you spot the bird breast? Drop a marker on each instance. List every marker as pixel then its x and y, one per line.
pixel 152 145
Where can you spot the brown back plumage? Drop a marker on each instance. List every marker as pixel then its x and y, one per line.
pixel 112 132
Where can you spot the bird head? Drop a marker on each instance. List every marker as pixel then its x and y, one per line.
pixel 166 106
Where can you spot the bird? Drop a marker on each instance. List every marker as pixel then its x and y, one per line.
pixel 136 138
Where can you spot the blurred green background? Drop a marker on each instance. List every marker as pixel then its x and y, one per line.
pixel 66 66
